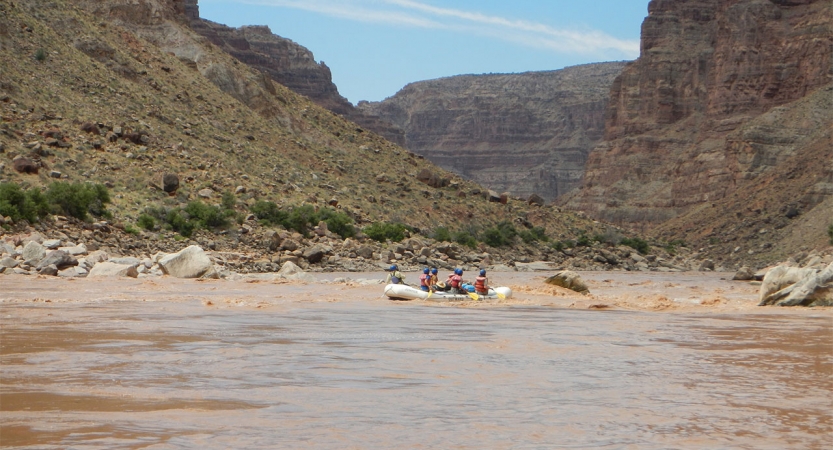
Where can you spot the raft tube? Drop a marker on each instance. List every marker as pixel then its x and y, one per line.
pixel 405 292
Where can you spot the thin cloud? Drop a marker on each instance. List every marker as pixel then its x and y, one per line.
pixel 421 15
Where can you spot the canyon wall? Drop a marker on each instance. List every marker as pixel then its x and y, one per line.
pixel 526 133
pixel 289 64
pixel 724 91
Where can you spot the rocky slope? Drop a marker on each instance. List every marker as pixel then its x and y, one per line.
pixel 524 133
pixel 723 123
pixel 124 92
pixel 291 65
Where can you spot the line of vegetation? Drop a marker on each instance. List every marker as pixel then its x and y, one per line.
pixel 304 218
pixel 77 200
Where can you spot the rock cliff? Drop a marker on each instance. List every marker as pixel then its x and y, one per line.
pixel 724 92
pixel 524 133
pixel 289 64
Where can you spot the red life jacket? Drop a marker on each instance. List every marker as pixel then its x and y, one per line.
pixel 455 280
pixel 480 284
pixel 423 279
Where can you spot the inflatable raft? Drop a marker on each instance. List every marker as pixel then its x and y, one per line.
pixel 405 292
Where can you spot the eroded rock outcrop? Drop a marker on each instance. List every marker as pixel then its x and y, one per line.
pixel 526 133
pixel 723 92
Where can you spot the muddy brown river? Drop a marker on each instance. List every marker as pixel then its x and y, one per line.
pixel 649 361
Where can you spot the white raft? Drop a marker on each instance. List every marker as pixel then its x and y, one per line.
pixel 405 292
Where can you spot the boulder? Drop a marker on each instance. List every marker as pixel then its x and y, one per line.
pixel 570 280
pixel 33 252
pixel 96 257
pixel 744 274
pixel 8 262
pixel 290 244
pixel 533 266
pixel 50 270
pixel 812 288
pixel 107 269
pixel 191 262
pixel 430 178
pixel 72 272
pixel 780 277
pixel 25 165
pixel 493 196
pixel 206 193
pixel 316 253
pixel 707 266
pixel 291 271
pixel 77 250
pixel 52 244
pixel 535 200
pixel 365 251
pixel 59 258
pixel 170 183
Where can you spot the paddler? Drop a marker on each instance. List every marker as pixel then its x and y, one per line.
pixel 395 276
pixel 481 283
pixel 425 280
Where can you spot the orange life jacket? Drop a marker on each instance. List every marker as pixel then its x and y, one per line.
pixel 480 284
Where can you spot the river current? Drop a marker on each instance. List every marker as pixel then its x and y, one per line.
pixel 371 373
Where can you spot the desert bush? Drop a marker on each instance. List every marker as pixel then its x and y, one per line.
pixel 269 213
pixel 337 222
pixel 229 201
pixel 500 235
pixel 146 221
pixel 637 244
pixel 207 216
pixel 40 54
pixel 78 199
pixel 382 231
pixel 16 203
pixel 465 238
pixel 441 234
pixel 534 234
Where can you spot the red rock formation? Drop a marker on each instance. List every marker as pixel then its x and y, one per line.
pixel 523 133
pixel 712 102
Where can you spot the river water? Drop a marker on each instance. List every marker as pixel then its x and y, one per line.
pixel 103 366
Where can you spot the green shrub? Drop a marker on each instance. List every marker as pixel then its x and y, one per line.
pixel 558 246
pixel 337 222
pixel 301 219
pixel 207 216
pixel 179 223
pixel 500 235
pixel 40 54
pixel 130 229
pixel 637 244
pixel 269 213
pixel 381 232
pixel 30 205
pixel 534 235
pixel 583 241
pixel 229 201
pixel 442 234
pixel 671 247
pixel 465 238
pixel 78 199
pixel 146 221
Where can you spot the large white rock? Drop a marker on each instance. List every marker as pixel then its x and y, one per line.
pixel 291 271
pixel 191 262
pixel 780 277
pixel 110 269
pixel 76 250
pixel 815 288
pixel 33 252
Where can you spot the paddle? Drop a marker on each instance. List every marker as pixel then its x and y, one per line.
pixel 429 295
pixel 473 296
pixel 500 296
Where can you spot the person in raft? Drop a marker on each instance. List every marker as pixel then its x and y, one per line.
pixel 456 281
pixel 481 283
pixel 395 276
pixel 434 279
pixel 425 280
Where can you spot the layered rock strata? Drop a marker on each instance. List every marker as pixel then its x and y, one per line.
pixel 723 92
pixel 526 133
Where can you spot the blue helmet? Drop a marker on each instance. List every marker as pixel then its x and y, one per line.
pixel 482 272
pixel 458 271
pixel 425 270
pixel 434 270
pixel 393 267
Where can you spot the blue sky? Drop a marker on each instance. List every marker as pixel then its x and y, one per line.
pixel 376 47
